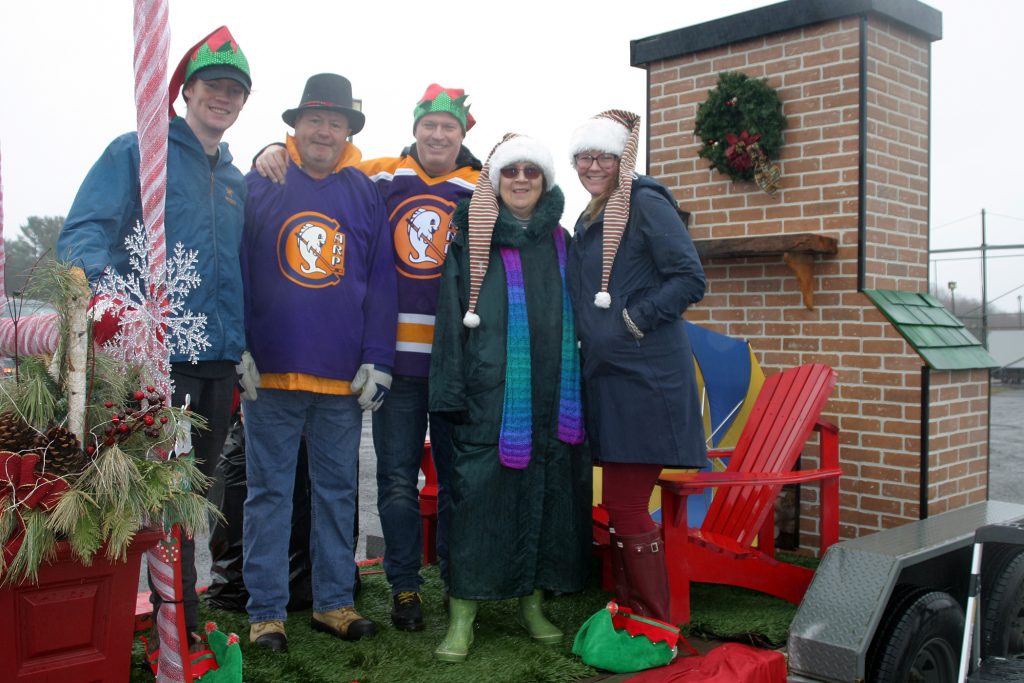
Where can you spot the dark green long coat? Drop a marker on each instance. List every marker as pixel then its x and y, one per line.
pixel 511 530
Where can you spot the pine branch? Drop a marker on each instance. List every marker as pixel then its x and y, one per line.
pixel 37 547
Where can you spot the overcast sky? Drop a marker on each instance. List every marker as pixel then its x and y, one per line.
pixel 535 67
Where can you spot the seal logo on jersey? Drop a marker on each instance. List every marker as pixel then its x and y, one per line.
pixel 422 232
pixel 311 250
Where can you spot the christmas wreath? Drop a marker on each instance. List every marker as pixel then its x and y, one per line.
pixel 741 124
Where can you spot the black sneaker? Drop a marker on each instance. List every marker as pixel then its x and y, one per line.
pixel 406 615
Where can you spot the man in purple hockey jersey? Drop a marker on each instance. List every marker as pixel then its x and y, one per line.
pixel 321 312
pixel 421 188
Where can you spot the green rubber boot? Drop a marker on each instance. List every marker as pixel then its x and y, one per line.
pixel 455 646
pixel 533 620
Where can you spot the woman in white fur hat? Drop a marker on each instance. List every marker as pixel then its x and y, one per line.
pixel 632 273
pixel 505 369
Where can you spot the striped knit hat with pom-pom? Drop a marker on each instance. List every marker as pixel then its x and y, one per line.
pixel 483 207
pixel 516 435
pixel 614 132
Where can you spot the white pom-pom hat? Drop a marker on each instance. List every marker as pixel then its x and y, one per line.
pixel 483 206
pixel 522 149
pixel 598 134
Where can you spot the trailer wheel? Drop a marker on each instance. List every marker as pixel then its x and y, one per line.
pixel 919 639
pixel 1002 597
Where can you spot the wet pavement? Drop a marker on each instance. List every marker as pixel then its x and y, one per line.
pixel 1006 439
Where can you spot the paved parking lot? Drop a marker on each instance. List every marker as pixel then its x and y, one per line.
pixel 1006 438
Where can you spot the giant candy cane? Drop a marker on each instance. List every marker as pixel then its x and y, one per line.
pixel 152 49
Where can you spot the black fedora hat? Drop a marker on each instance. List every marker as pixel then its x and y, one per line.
pixel 330 92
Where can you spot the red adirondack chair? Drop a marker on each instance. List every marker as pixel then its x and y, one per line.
pixel 787 409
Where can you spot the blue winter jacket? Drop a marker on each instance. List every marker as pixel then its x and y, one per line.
pixel 204 211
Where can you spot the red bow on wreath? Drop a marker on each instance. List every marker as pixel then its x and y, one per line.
pixel 738 152
pixel 744 153
pixel 28 490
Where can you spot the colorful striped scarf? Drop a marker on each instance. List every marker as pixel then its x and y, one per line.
pixel 514 443
pixel 516 437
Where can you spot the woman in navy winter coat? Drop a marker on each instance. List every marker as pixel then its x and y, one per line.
pixel 632 272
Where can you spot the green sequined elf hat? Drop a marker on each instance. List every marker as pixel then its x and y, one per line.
pixel 215 56
pixel 447 100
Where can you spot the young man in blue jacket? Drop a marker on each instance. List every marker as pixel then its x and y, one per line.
pixel 320 316
pixel 204 211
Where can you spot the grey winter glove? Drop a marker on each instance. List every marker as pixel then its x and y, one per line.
pixel 248 376
pixel 373 382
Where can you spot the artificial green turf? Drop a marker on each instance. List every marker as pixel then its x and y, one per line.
pixel 720 612
pixel 501 652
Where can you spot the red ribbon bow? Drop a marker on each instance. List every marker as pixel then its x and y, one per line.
pixel 737 154
pixel 29 490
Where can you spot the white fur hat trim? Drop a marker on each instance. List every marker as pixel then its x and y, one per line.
pixel 603 300
pixel 599 134
pixel 471 319
pixel 519 149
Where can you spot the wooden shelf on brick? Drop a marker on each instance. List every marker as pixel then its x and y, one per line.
pixel 798 251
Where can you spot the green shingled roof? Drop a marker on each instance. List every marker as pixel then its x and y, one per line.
pixel 935 333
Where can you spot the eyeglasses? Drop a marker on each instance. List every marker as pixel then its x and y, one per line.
pixel 529 172
pixel 605 161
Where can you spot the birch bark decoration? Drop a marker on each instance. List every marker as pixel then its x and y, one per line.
pixel 77 353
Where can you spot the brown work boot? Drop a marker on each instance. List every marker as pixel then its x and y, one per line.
pixel 344 623
pixel 269 634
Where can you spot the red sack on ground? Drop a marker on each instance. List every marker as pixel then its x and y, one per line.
pixel 728 663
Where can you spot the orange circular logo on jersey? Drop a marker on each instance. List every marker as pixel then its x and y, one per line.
pixel 422 230
pixel 311 250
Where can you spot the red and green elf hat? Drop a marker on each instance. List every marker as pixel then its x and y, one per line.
pixel 447 100
pixel 215 56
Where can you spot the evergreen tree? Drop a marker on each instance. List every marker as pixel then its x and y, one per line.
pixel 36 242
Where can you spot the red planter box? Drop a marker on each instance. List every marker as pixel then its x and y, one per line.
pixel 77 623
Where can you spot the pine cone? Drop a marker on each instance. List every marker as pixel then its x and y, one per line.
pixel 61 453
pixel 15 434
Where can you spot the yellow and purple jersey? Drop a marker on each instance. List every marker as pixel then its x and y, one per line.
pixel 420 209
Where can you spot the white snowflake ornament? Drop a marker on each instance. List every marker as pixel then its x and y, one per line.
pixel 151 309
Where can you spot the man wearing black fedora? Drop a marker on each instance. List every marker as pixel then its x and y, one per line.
pixel 321 311
pixel 421 188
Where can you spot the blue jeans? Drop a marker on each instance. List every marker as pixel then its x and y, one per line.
pixel 273 425
pixel 399 429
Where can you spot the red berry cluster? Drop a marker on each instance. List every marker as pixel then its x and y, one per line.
pixel 126 421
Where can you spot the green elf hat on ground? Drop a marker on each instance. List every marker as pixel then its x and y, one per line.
pixel 215 56
pixel 447 100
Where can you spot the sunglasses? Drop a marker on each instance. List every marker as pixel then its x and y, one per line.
pixel 529 172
